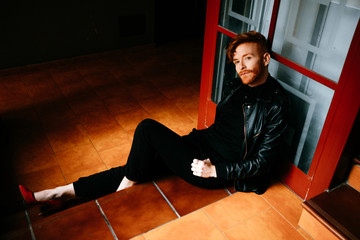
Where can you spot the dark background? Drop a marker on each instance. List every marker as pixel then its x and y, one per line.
pixel 40 31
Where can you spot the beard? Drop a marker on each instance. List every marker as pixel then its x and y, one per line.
pixel 253 76
pixel 249 76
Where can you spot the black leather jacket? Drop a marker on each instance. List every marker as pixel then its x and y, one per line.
pixel 265 122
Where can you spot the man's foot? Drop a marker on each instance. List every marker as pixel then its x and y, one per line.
pixel 28 195
pixel 29 198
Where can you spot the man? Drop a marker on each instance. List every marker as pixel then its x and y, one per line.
pixel 238 150
pixel 264 113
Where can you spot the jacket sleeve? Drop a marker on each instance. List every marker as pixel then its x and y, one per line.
pixel 263 151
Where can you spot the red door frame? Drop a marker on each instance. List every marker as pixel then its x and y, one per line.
pixel 340 118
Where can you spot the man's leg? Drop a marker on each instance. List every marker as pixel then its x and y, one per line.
pixel 152 143
pixel 99 184
pixel 157 148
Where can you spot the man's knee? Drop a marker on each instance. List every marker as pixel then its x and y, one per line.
pixel 147 124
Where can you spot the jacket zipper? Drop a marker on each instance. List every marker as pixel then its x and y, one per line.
pixel 256 135
pixel 243 108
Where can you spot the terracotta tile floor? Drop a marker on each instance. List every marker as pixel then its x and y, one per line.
pixel 75 117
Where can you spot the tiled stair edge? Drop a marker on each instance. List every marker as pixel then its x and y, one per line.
pixel 323 214
pixel 319 225
pixel 354 177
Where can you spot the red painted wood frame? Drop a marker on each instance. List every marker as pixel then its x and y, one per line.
pixel 341 115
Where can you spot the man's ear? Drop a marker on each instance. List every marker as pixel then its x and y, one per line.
pixel 266 59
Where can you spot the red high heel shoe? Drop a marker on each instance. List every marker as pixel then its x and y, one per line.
pixel 29 198
pixel 28 195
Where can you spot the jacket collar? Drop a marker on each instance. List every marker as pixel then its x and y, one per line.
pixel 271 87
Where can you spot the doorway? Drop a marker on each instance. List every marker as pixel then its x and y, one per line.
pixel 314 46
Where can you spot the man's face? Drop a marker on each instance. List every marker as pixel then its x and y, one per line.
pixel 251 64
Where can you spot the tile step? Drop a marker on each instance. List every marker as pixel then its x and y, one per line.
pixel 333 215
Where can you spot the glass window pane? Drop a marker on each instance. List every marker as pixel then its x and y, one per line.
pixel 309 105
pixel 238 17
pixel 223 71
pixel 316 33
pixel 246 15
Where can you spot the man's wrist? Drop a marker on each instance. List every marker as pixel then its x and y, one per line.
pixel 213 171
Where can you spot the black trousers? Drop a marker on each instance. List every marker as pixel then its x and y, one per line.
pixel 155 150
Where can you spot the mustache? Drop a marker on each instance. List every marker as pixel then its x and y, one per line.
pixel 244 72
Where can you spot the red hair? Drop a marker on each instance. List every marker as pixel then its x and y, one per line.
pixel 251 36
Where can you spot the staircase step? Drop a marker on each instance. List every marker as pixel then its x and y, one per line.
pixel 333 215
pixel 354 177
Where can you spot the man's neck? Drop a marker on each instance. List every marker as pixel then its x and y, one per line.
pixel 262 79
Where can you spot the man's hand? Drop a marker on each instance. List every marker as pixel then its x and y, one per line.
pixel 203 168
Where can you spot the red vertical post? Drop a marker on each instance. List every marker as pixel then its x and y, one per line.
pixel 212 18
